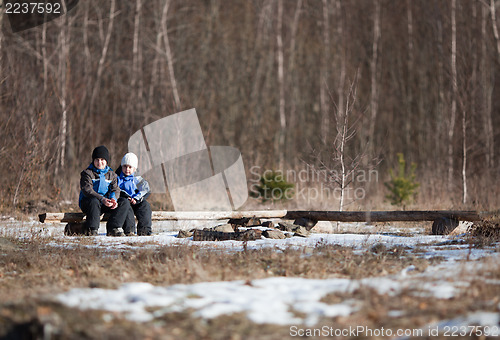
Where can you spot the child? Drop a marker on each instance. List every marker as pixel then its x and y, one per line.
pixel 98 194
pixel 135 189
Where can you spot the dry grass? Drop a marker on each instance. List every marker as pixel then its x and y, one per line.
pixel 489 228
pixel 32 269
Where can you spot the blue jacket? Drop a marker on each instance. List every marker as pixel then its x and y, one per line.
pixel 133 186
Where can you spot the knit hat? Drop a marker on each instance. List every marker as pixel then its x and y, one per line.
pixel 101 152
pixel 130 159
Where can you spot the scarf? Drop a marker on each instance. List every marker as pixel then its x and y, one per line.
pixel 103 185
pixel 127 183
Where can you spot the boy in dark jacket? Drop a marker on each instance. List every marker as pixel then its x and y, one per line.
pixel 100 194
pixel 135 189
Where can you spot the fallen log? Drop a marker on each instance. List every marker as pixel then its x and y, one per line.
pixel 385 216
pixel 339 216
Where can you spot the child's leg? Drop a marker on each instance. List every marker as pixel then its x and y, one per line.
pixel 143 212
pixel 91 207
pixel 118 215
pixel 129 225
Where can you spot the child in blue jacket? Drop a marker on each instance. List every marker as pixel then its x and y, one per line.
pixel 100 194
pixel 135 189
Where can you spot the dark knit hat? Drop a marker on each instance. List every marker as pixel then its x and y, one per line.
pixel 101 152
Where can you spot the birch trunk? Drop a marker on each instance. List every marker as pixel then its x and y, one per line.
pixel 65 40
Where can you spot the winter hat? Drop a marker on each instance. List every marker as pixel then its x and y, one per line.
pixel 101 152
pixel 130 159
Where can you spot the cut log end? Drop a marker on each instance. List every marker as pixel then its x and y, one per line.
pixel 444 225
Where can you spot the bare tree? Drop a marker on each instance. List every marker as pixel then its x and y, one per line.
pixel 65 43
pixel 487 90
pixel 494 24
pixel 137 82
pixel 451 126
pixel 340 168
pixel 374 72
pixel 102 60
pixel 281 84
pixel 342 55
pixel 170 58
pixel 324 101
pixel 411 74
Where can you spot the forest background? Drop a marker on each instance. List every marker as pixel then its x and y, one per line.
pixel 268 77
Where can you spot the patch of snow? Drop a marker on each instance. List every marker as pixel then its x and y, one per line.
pixel 272 300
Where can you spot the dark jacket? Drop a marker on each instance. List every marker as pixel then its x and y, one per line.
pixel 91 186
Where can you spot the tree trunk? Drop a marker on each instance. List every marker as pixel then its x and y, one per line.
pixel 281 84
pixel 439 151
pixel 170 58
pixel 411 78
pixel 487 87
pixel 493 14
pixel 100 67
pixel 374 80
pixel 294 88
pixel 451 126
pixel 136 82
pixel 342 56
pixel 324 96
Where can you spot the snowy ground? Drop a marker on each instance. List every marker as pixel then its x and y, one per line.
pixel 282 300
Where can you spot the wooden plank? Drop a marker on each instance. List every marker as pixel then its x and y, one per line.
pixel 216 215
pixel 384 216
pixel 171 215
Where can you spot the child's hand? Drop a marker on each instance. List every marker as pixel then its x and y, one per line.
pixel 114 203
pixel 107 202
pixel 110 203
pixel 132 201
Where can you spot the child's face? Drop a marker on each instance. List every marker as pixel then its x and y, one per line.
pixel 128 169
pixel 100 163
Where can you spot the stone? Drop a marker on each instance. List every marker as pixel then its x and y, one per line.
pixel 301 231
pixel 185 233
pixel 253 222
pixel 298 230
pixel 463 228
pixel 273 234
pixel 286 226
pixel 306 222
pixel 242 222
pixel 211 235
pixel 224 228
pixel 268 224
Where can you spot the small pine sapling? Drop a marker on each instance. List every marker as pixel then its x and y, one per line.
pixel 273 187
pixel 403 185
